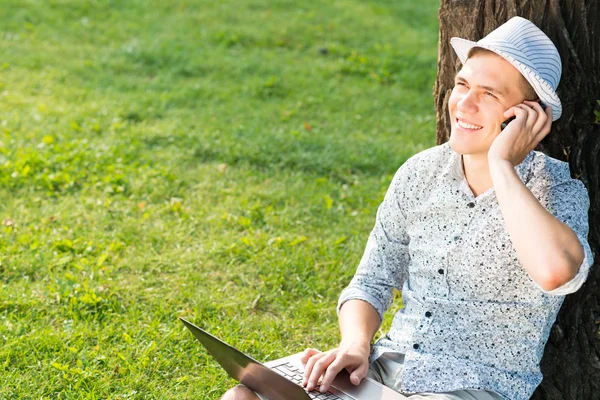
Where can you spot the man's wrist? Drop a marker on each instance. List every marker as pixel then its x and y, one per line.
pixel 500 167
pixel 356 341
pixel 499 162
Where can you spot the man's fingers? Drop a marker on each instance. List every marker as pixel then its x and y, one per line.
pixel 318 369
pixel 540 124
pixel 544 127
pixel 359 373
pixel 308 367
pixel 308 353
pixel 548 123
pixel 530 114
pixel 541 117
pixel 509 113
pixel 548 111
pixel 332 371
pixel 516 112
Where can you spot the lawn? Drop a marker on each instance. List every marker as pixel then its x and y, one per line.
pixel 216 160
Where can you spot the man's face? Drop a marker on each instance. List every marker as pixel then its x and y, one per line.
pixel 485 87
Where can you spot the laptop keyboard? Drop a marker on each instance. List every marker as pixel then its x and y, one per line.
pixel 294 374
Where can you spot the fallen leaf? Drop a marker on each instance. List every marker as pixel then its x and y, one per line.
pixel 328 201
pixel 298 240
pixel 255 302
pixel 340 240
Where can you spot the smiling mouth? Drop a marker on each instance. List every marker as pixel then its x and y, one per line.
pixel 464 125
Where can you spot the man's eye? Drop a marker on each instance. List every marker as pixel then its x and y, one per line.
pixel 490 94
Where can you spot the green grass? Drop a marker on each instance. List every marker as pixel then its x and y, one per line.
pixel 216 160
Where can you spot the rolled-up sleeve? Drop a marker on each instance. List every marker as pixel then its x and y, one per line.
pixel 569 203
pixel 384 264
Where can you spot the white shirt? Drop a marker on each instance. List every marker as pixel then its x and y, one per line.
pixel 473 318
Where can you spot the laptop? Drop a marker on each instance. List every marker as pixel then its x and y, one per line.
pixel 282 379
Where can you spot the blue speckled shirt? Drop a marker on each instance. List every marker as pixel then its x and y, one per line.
pixel 472 316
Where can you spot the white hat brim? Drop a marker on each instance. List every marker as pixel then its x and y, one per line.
pixel 542 88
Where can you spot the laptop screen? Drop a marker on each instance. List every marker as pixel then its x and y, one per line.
pixel 246 370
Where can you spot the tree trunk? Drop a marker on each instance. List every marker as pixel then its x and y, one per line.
pixel 571 362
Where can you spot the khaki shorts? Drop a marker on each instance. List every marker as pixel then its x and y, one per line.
pixel 387 370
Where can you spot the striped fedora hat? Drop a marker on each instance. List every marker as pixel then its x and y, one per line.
pixel 529 50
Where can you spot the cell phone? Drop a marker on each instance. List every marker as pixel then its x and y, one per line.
pixel 505 123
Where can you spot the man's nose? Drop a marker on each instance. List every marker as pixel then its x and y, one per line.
pixel 468 102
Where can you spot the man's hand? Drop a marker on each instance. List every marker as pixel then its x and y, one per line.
pixel 354 357
pixel 530 126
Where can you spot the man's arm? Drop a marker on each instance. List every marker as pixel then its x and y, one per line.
pixel 548 249
pixel 359 322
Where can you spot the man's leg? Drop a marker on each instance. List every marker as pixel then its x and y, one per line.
pixel 387 370
pixel 240 392
pixel 457 395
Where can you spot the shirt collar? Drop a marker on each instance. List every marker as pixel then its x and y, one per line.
pixel 523 169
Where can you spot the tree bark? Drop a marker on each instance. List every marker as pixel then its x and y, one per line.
pixel 571 362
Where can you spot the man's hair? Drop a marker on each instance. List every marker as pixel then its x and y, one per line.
pixel 526 88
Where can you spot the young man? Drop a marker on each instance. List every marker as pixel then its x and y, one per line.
pixel 483 235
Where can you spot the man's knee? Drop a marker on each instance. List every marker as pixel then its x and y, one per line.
pixel 240 393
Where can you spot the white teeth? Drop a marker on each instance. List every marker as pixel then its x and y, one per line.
pixel 467 126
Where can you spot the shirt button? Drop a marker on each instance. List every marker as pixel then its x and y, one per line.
pixel 471 205
pixel 456 238
pixel 416 346
pixel 441 271
pixel 428 314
